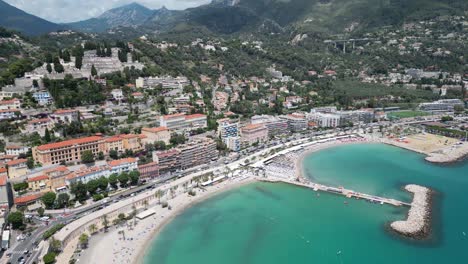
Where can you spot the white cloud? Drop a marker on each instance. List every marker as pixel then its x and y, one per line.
pixel 61 11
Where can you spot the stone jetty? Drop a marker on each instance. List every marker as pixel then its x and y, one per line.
pixel 417 225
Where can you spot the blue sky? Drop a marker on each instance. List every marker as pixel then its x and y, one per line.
pixel 60 11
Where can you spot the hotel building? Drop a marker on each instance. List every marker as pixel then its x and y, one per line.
pixel 253 133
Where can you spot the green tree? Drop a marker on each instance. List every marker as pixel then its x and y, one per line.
pixel 113 154
pixel 93 70
pixel 48 199
pixel 58 67
pixel 103 183
pixel 66 56
pixel 20 186
pixel 83 239
pixel 16 219
pixel 79 190
pixel 55 245
pixel 40 211
pixel 92 186
pixel 47 137
pixel 123 179
pixel 159 145
pixel 78 62
pixel 49 258
pixel 62 200
pixel 49 68
pixel 87 156
pixel 134 177
pixel 92 229
pixel 113 180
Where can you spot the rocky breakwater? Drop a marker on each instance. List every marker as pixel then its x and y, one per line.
pixel 418 224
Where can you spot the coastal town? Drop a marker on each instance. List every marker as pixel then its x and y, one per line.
pixel 104 141
pixel 75 182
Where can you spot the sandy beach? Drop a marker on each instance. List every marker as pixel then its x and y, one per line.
pixel 131 245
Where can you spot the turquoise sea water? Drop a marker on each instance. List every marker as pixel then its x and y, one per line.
pixel 278 223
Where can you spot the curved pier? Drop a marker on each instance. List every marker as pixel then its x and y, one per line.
pixel 417 225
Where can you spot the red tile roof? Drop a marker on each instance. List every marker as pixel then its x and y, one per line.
pixel 38 178
pixel 86 171
pixel 195 116
pixel 113 139
pixel 12 101
pixel 42 120
pixel 27 198
pixel 3 180
pixel 69 143
pixel 3 170
pixel 16 162
pixel 59 168
pixel 173 116
pixel 154 129
pixel 252 126
pixel 118 162
pixel 64 111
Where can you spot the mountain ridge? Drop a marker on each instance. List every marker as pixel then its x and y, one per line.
pixel 16 19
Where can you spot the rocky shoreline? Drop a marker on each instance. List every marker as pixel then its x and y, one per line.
pixel 418 223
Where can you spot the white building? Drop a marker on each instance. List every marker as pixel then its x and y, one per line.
pixel 123 165
pixel 167 82
pixel 324 119
pixel 117 94
pixel 42 97
pixel 16 150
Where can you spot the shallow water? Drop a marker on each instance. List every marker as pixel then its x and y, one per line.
pixel 279 223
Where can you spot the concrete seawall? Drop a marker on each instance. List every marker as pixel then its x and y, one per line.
pixel 418 223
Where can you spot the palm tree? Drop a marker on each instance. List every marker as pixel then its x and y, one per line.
pixel 105 223
pixel 83 240
pixel 145 203
pixel 159 194
pixel 92 229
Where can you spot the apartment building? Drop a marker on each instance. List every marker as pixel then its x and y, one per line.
pixel 253 133
pixel 196 121
pixel 122 165
pixel 276 126
pixel 228 131
pixel 197 152
pixel 9 114
pixel 42 97
pixel 57 177
pixel 167 160
pixel 17 168
pixel 194 153
pixel 149 170
pixel 13 104
pixel 15 150
pixel 174 122
pixel 65 116
pixel 86 174
pixel 68 151
pixel 296 122
pixel 154 134
pixel 39 183
pixel 182 122
pixel 325 119
pixel 39 126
